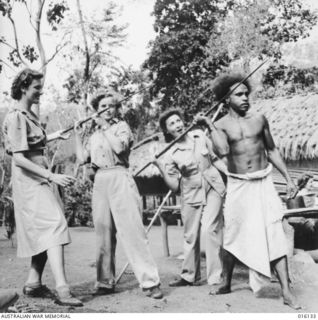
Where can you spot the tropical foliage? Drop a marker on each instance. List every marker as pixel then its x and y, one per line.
pixel 282 80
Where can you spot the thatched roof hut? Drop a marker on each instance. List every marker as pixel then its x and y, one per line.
pixel 149 181
pixel 294 125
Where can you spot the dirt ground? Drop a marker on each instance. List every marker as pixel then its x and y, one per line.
pixel 129 298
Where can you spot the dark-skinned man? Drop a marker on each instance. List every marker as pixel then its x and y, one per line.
pixel 253 230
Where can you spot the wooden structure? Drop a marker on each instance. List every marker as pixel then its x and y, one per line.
pixel 150 184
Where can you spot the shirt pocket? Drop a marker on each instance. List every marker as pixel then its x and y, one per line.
pixel 187 165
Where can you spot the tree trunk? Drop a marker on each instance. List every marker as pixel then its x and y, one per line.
pixel 40 46
pixel 86 75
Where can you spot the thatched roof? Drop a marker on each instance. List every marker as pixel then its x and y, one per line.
pixel 144 154
pixel 294 124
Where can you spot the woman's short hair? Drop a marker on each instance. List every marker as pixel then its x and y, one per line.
pixel 22 81
pixel 223 83
pixel 106 93
pixel 162 122
pixel 303 180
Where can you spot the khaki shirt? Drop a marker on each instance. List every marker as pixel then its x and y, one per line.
pixel 194 163
pixel 109 146
pixel 23 132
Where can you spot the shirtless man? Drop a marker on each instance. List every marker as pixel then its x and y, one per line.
pixel 253 231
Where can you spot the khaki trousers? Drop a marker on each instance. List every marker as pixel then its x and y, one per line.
pixel 210 217
pixel 116 208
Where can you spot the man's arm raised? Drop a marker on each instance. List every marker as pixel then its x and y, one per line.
pixel 219 139
pixel 276 159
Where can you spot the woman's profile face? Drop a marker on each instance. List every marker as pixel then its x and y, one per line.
pixel 33 91
pixel 174 125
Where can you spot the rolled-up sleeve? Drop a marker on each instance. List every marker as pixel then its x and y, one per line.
pixel 15 129
pixel 171 167
pixel 122 139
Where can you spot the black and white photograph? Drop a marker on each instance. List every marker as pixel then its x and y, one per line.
pixel 159 157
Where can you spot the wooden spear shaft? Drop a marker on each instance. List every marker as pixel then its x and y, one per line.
pixel 144 141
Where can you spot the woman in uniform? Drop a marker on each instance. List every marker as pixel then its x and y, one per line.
pixel 41 226
pixel 116 201
pixel 190 167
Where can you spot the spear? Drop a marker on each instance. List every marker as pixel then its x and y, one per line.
pixel 217 105
pixel 153 137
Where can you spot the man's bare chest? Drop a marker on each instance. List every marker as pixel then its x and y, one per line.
pixel 241 129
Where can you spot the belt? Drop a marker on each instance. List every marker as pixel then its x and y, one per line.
pixel 35 152
pixel 109 168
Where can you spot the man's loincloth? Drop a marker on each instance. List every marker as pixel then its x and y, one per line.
pixel 253 230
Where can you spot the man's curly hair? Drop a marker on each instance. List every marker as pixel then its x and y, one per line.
pixel 22 81
pixel 223 83
pixel 162 122
pixel 106 93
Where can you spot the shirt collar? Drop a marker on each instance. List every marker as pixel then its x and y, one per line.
pixel 31 116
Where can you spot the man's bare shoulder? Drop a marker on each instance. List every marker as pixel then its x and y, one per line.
pixel 256 115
